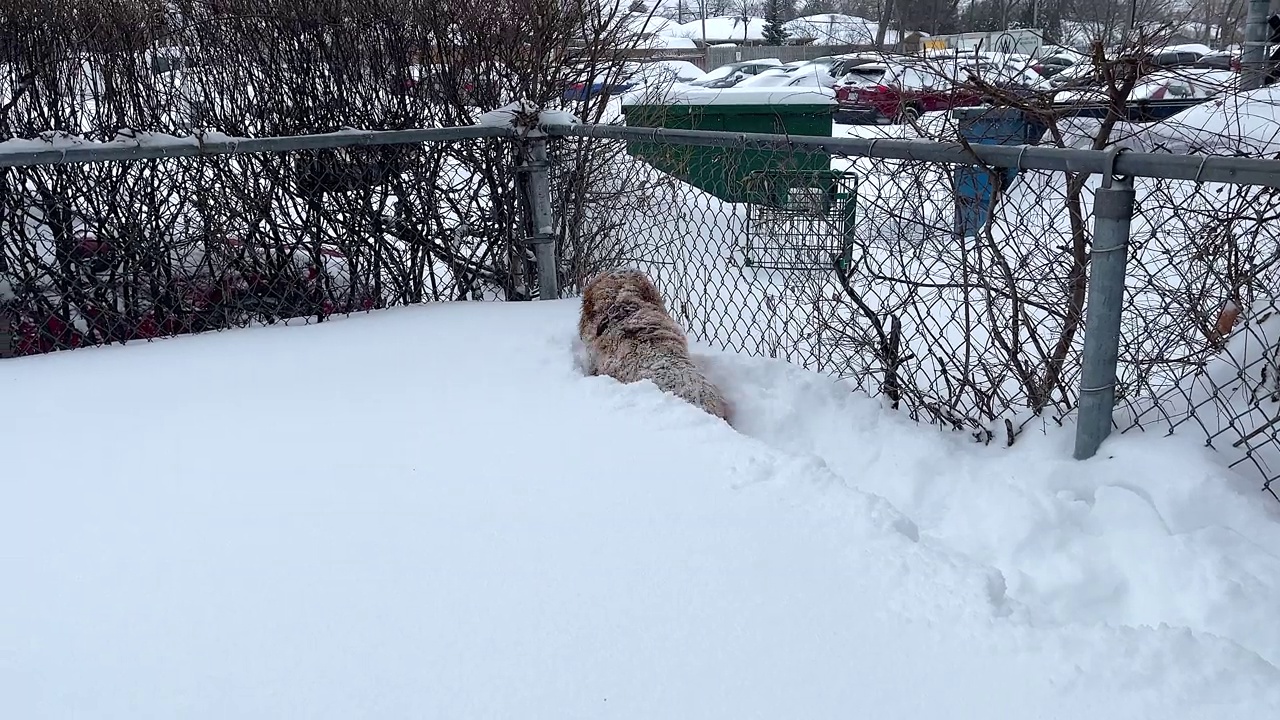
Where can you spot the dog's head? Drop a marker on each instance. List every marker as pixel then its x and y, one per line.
pixel 613 296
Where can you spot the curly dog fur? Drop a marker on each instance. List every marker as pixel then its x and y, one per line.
pixel 630 336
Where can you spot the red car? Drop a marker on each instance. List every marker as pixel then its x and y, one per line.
pixel 897 92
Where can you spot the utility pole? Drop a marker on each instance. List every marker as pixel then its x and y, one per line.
pixel 1253 63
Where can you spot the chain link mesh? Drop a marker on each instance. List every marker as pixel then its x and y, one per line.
pixel 119 251
pixel 963 308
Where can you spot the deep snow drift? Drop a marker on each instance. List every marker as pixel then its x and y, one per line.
pixel 429 512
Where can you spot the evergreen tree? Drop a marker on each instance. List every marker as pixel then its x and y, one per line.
pixel 774 33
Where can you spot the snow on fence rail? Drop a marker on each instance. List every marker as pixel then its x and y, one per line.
pixel 866 259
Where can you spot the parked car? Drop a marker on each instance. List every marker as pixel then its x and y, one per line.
pixel 794 76
pixel 1221 60
pixel 1164 84
pixel 634 76
pixel 219 283
pixel 1173 57
pixel 901 92
pixel 835 65
pixel 1085 73
pixel 681 71
pixel 1052 65
pixel 607 83
pixel 734 73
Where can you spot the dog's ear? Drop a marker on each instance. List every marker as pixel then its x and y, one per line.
pixel 645 288
pixel 587 315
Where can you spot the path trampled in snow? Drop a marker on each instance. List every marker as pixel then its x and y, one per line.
pixel 429 512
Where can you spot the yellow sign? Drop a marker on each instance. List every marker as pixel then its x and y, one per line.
pixel 931 44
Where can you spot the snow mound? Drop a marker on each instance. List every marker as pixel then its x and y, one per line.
pixel 722 28
pixel 430 512
pixel 837 29
pixel 523 115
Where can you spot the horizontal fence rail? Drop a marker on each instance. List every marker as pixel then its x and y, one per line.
pixel 1239 171
pixel 29 153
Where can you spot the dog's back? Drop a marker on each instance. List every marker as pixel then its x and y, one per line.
pixel 630 337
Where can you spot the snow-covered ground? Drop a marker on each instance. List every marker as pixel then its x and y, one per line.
pixel 430 512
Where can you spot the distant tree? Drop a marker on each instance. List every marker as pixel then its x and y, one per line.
pixel 774 32
pixel 638 7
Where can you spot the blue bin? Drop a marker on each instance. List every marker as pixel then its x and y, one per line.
pixel 987 126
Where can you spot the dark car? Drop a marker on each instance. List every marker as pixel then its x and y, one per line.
pixel 1173 58
pixel 1085 73
pixel 1219 61
pixel 1052 65
pixel 599 86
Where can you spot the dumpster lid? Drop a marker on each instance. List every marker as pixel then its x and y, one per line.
pixel 693 95
pixel 987 112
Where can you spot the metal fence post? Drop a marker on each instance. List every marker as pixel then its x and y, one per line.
pixel 1253 62
pixel 543 239
pixel 1112 214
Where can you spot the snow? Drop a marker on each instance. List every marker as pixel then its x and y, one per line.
pixel 662 71
pixel 669 43
pixel 723 28
pixel 1188 47
pixel 520 115
pixel 649 24
pixel 837 29
pixel 437 515
pixel 55 140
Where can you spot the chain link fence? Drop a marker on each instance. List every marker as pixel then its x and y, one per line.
pixel 116 251
pixel 958 291
pixel 951 280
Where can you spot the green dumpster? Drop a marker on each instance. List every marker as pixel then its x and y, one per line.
pixel 760 176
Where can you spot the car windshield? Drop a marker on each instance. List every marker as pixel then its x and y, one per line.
pixel 1078 71
pixel 769 78
pixel 864 76
pixel 720 73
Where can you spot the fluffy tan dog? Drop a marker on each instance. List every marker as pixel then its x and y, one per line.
pixel 630 336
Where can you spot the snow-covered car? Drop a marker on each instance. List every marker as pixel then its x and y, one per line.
pixel 729 75
pixel 800 76
pixel 1086 73
pixel 667 71
pixel 1172 84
